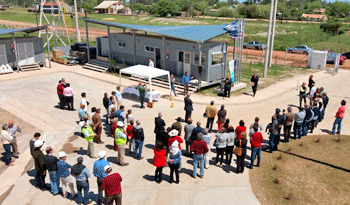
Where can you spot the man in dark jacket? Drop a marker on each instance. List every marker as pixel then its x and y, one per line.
pixel 139 136
pixel 280 119
pixel 325 103
pixel 40 165
pixel 273 132
pixel 106 105
pixel 51 165
pixel 308 115
pixel 227 87
pixel 159 126
pixel 254 81
pixel 196 131
pixel 188 106
pixel 177 125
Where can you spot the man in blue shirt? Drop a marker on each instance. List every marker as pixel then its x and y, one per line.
pixel 118 97
pixel 82 113
pixel 63 169
pixel 81 173
pixel 186 81
pixel 99 172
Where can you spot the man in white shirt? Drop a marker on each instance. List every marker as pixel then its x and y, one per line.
pixel 118 97
pixel 151 63
pixel 84 102
pixel 312 93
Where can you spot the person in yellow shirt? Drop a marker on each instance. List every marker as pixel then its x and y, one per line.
pixel 210 112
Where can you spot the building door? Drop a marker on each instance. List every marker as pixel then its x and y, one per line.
pixel 3 57
pixel 25 53
pixel 157 60
pixel 187 63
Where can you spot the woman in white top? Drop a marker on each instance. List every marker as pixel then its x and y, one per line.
pixel 257 124
pixel 84 102
pixel 221 138
pixel 6 140
pixel 207 138
pixel 129 117
pixel 230 144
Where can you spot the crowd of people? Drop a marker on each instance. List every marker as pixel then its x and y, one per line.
pixel 125 130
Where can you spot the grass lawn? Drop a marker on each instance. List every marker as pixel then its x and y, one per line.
pixel 287 34
pixel 274 74
pixel 315 173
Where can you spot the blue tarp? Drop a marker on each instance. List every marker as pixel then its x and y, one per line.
pixel 189 33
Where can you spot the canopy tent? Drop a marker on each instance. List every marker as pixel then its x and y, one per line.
pixel 145 72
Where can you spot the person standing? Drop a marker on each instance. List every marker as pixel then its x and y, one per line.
pixel 81 174
pixel 211 112
pixel 64 84
pixel 207 139
pixel 174 137
pixel 51 165
pixel 120 114
pixel 199 147
pixel 89 135
pixel 120 140
pixel 302 93
pixel 139 136
pixel 312 93
pixel 60 89
pixel 40 165
pixel 118 97
pixel 221 117
pixel 288 124
pixel 106 105
pixel 311 82
pixel 257 124
pixel 221 140
pixel 96 119
pixel 114 126
pixel 69 96
pixel 339 118
pixel 188 132
pixel 32 141
pixel 151 63
pixel 242 143
pixel 239 129
pixel 99 173
pixel 188 106
pixel 82 113
pixel 6 140
pixel 172 80
pixel 273 133
pixel 196 131
pixel 308 116
pixel 84 102
pixel 254 81
pixel 131 138
pixel 177 125
pixel 12 129
pixel 142 92
pixel 159 126
pixel 298 123
pixel 159 161
pixel 185 80
pixel 174 161
pixel 129 117
pixel 255 143
pixel 111 185
pixel 64 172
pixel 227 87
pixel 231 137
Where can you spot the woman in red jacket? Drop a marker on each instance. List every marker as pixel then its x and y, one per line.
pixel 239 129
pixel 174 137
pixel 159 160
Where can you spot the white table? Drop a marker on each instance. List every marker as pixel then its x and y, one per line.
pixel 133 90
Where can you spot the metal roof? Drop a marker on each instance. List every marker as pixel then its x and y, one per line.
pixel 26 30
pixel 199 34
pixel 107 4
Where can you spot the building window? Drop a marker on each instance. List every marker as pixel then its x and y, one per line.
pixel 203 60
pixel 217 58
pixel 196 59
pixel 121 44
pixel 149 49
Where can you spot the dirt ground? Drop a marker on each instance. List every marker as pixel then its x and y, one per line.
pixel 23 138
pixel 313 170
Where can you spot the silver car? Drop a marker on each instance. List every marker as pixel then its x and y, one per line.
pixel 302 49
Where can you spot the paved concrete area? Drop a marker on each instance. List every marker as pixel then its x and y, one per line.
pixel 32 97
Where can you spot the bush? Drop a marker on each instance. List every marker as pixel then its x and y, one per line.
pixel 225 12
pixel 331 27
pixel 164 7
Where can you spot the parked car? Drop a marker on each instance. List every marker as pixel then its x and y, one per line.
pixel 331 56
pixel 254 45
pixel 302 49
pixel 347 55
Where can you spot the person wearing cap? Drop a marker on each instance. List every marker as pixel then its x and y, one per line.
pixel 40 165
pixel 82 113
pixel 142 92
pixel 51 165
pixel 174 137
pixel 120 140
pixel 177 125
pixel 32 141
pixel 188 132
pixel 211 112
pixel 12 129
pixel 6 140
pixel 174 161
pixel 67 180
pixel 111 185
pixel 89 135
pixel 139 136
pixel 99 173
pixel 81 174
pixel 97 121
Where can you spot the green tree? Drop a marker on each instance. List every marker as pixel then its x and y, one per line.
pixel 202 7
pixel 331 27
pixel 339 9
pixel 88 6
pixel 165 7
pixel 137 7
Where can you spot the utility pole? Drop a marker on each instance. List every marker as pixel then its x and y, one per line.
pixel 76 21
pixel 267 53
pixel 273 32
